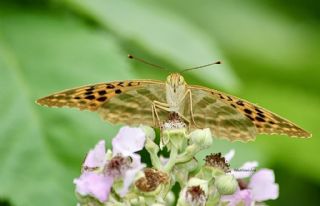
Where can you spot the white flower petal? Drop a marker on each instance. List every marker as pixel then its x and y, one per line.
pixel 130 174
pixel 128 141
pixel 263 185
pixel 95 185
pixel 229 155
pixel 96 156
pixel 240 197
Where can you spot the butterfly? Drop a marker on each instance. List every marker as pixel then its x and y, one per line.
pixel 148 102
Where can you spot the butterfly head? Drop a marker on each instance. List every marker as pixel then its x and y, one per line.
pixel 176 82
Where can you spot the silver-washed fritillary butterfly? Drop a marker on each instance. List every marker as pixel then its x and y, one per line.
pixel 149 101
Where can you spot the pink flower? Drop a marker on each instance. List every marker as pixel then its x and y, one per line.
pixel 128 141
pixel 96 157
pixel 100 172
pixel 95 185
pixel 240 196
pixel 261 186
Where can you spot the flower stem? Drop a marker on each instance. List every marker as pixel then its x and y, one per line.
pixel 153 150
pixel 188 154
pixel 172 160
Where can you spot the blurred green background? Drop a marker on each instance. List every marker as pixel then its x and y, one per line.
pixel 271 55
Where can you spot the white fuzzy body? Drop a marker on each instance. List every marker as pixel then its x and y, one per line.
pixel 175 94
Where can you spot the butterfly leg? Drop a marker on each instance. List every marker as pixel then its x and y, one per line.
pixel 163 104
pixel 188 93
pixel 165 107
pixel 191 107
pixel 155 115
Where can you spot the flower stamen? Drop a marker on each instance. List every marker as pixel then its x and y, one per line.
pixel 117 166
pixel 152 179
pixel 218 161
pixel 195 195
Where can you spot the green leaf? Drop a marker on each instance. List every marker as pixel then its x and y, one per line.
pixel 41 149
pixel 162 33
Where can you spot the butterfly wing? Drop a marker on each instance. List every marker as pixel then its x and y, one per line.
pixel 134 107
pixel 223 120
pixel 264 121
pixel 126 102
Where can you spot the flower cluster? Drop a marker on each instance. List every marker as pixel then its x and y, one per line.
pixel 103 170
pixel 118 176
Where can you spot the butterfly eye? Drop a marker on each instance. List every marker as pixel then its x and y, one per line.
pixel 168 79
pixel 181 80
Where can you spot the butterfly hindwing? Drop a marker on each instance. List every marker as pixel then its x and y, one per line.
pixel 223 120
pixel 134 107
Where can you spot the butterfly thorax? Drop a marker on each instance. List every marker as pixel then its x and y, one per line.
pixel 175 92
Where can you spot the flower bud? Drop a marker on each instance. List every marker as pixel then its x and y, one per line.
pixel 226 184
pixel 170 198
pixel 195 193
pixel 174 133
pixel 149 132
pixel 201 137
pixel 174 138
pixel 198 182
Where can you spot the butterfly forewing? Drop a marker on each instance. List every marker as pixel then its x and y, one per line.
pixel 264 121
pixel 91 97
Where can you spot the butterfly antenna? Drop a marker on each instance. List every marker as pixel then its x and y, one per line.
pixel 145 62
pixel 202 66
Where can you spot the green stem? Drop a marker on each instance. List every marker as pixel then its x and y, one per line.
pixel 172 160
pixel 188 154
pixel 153 150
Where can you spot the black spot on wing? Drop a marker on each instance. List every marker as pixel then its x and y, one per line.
pixel 248 111
pixel 90 97
pixel 90 89
pixel 240 103
pixel 102 99
pixel 110 86
pixel 259 119
pixel 88 92
pixel 102 92
pixel 251 118
pixel 261 115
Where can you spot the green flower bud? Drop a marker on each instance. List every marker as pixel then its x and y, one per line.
pixel 226 184
pixel 137 201
pixel 149 132
pixel 170 198
pixel 201 137
pixel 208 173
pixel 174 138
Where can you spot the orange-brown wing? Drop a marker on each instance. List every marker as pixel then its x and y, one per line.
pixel 265 121
pixel 126 102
